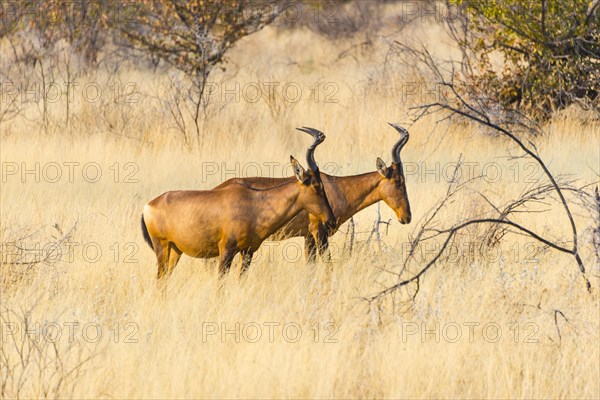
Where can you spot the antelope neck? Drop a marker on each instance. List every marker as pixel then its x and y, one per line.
pixel 361 191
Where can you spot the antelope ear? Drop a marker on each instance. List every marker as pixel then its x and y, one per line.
pixel 298 170
pixel 381 167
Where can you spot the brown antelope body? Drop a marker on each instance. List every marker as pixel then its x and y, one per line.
pixel 347 195
pixel 226 221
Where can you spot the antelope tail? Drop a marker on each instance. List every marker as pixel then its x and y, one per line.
pixel 146 234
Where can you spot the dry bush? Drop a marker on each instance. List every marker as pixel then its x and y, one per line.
pixel 37 361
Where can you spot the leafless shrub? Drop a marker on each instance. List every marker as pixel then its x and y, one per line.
pixel 489 226
pixel 22 263
pixel 38 363
pixel 467 106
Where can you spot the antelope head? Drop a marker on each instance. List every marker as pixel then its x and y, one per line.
pixel 314 191
pixel 393 185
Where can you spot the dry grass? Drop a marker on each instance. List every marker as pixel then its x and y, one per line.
pixel 152 347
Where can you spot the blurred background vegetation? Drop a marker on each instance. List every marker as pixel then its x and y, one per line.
pixel 536 56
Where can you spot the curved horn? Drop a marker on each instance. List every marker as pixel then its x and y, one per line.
pixel 310 153
pixel 400 143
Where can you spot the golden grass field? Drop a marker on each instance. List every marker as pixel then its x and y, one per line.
pixel 89 322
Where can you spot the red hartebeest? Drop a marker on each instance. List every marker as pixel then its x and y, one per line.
pixel 347 196
pixel 234 219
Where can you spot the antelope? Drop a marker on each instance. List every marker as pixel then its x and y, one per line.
pixel 229 220
pixel 347 196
